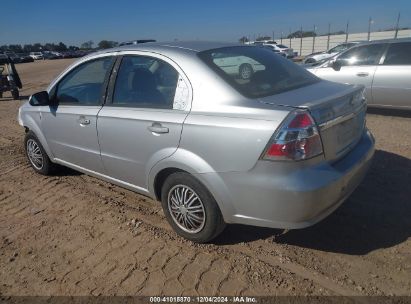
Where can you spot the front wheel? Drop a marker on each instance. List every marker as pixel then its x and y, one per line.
pixel 190 208
pixel 36 155
pixel 15 94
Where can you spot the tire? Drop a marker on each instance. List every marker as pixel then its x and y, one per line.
pixel 15 94
pixel 1 94
pixel 36 155
pixel 246 71
pixel 310 60
pixel 204 222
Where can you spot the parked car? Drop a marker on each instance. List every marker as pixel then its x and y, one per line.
pixel 13 57
pixel 382 66
pixel 275 50
pixel 318 56
pixel 281 149
pixel 136 41
pixel 24 57
pixel 36 55
pixel 238 66
pixel 288 52
pixel 51 55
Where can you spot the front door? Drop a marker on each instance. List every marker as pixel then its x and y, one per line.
pixel 70 126
pixel 357 66
pixel 142 120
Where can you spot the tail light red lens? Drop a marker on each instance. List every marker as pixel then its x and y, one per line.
pixel 297 139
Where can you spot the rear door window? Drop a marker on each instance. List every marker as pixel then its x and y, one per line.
pixel 398 54
pixel 145 82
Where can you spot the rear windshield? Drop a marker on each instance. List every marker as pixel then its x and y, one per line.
pixel 256 72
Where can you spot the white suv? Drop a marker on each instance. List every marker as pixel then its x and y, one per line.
pixel 278 48
pixel 36 55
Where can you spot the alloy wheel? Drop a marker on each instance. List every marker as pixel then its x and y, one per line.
pixel 34 154
pixel 186 209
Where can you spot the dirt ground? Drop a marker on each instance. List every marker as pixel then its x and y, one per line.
pixel 72 234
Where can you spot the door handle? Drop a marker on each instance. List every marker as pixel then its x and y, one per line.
pixel 156 127
pixel 83 121
pixel 362 74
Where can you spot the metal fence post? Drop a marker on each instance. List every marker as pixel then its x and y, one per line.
pixel 314 39
pixel 290 38
pixel 301 40
pixel 346 32
pixel 369 29
pixel 328 38
pixel 397 26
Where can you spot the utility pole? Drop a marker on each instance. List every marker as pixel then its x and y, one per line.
pixel 346 32
pixel 397 26
pixel 301 40
pixel 328 38
pixel 314 39
pixel 370 21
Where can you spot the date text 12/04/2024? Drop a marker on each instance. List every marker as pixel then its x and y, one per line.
pixel 203 299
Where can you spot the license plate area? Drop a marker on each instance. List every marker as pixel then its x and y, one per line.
pixel 349 132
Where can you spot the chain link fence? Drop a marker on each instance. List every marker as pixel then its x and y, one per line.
pixel 307 45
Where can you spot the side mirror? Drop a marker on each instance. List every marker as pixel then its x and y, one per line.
pixel 336 65
pixel 40 99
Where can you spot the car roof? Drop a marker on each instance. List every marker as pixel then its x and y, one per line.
pixel 187 47
pixel 392 40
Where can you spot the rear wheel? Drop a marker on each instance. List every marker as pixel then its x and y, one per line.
pixel 1 94
pixel 190 208
pixel 246 71
pixel 15 94
pixel 36 155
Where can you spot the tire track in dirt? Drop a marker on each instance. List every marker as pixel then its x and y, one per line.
pixel 145 213
pixel 81 241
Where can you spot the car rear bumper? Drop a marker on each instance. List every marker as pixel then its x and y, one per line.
pixel 294 195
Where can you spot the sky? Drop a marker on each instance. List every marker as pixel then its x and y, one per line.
pixel 76 21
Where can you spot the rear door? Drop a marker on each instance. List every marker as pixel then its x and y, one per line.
pixel 142 119
pixel 392 80
pixel 71 125
pixel 358 66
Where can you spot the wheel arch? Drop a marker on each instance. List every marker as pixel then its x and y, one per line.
pixel 185 161
pixel 30 124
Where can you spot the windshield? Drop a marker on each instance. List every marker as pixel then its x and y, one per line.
pixel 256 72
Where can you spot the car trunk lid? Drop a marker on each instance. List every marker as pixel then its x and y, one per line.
pixel 338 110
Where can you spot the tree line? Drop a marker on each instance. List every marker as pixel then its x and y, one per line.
pixel 56 47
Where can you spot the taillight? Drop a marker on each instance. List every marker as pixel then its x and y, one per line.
pixel 296 139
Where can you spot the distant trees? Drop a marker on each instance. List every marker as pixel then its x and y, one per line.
pixel 243 39
pixel 262 38
pixel 56 47
pixel 37 47
pixel 87 45
pixel 106 44
pixel 297 34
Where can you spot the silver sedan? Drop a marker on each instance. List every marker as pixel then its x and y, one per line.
pixel 382 66
pixel 180 123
